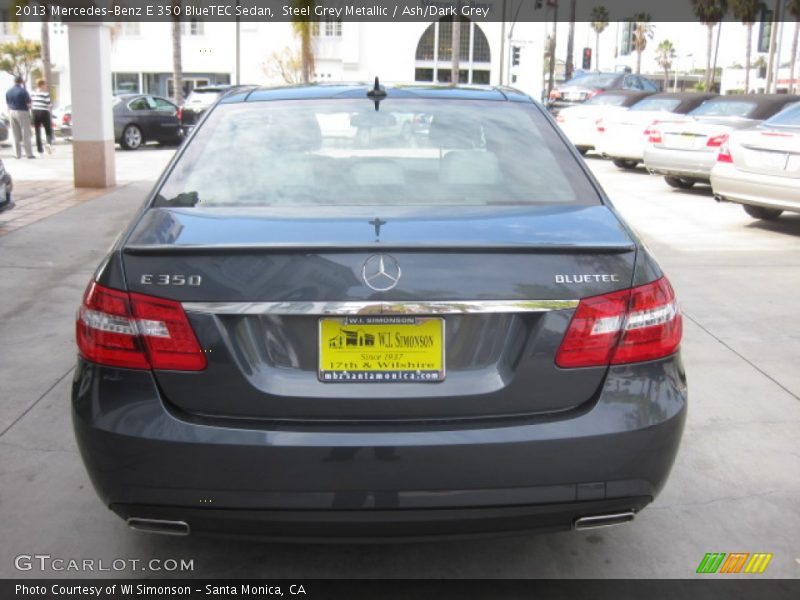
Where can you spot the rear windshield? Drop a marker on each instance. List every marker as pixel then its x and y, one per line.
pixel 344 152
pixel 607 100
pixel 202 96
pixel 718 108
pixel 593 81
pixel 657 104
pixel 788 117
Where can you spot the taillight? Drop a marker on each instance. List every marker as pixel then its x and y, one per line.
pixel 555 95
pixel 652 132
pixel 136 331
pixel 653 136
pixel 601 128
pixel 179 114
pixel 724 154
pixel 715 141
pixel 639 324
pixel 66 119
pixel 559 119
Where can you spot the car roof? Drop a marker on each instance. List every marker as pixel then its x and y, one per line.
pixel 359 90
pixel 766 105
pixel 686 100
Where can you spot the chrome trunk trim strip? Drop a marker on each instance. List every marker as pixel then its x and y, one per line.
pixel 434 307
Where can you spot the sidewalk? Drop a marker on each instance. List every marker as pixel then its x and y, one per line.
pixel 43 187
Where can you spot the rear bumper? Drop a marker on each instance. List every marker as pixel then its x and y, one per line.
pixel 616 146
pixel 768 191
pixel 379 481
pixel 694 165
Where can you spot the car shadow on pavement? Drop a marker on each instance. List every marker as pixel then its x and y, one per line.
pixel 788 223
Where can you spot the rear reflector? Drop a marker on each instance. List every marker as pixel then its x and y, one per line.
pixel 724 154
pixel 642 323
pixel 136 331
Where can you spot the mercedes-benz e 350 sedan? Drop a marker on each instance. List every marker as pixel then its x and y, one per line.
pixel 321 327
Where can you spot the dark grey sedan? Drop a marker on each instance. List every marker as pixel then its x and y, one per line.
pixel 142 118
pixel 318 327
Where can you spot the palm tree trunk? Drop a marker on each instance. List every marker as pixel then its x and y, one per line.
pixel 596 51
pixel 793 61
pixel 638 61
pixel 455 71
pixel 707 82
pixel 47 66
pixel 569 66
pixel 177 66
pixel 748 53
pixel 306 52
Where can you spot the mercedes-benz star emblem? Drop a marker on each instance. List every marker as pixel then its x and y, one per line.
pixel 381 272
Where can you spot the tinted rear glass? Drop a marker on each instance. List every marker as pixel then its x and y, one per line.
pixel 343 152
pixel 659 104
pixel 606 100
pixel 717 108
pixel 789 117
pixel 202 97
pixel 593 81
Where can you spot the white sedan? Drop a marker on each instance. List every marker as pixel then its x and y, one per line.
pixel 579 123
pixel 623 136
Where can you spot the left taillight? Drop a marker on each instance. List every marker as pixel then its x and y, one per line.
pixel 136 331
pixel 634 325
pixel 724 153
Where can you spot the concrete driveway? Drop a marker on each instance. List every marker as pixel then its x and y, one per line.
pixel 734 488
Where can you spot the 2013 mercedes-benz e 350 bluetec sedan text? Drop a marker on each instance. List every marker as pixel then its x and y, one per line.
pixel 323 324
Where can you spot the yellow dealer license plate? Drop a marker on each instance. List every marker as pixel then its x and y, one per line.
pixel 381 349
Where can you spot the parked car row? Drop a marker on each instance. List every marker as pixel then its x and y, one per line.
pixel 746 146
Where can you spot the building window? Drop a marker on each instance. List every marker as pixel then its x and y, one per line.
pixel 131 29
pixel 435 52
pixel 7 27
pixel 326 28
pixel 125 83
pixel 193 27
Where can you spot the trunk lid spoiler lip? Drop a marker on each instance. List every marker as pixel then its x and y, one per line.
pixel 160 249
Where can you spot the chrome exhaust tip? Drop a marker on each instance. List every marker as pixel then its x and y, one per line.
pixel 607 520
pixel 161 526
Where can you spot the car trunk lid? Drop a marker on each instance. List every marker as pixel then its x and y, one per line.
pixel 256 284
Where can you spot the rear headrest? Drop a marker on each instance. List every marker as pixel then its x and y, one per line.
pixel 469 167
pixel 452 132
pixel 293 132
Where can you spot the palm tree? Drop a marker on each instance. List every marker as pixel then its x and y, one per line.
pixel 569 66
pixel 747 11
pixel 303 29
pixel 642 31
pixel 665 52
pixel 47 65
pixel 177 61
pixel 793 7
pixel 599 23
pixel 709 13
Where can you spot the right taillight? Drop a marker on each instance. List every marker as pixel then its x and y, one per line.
pixel 724 154
pixel 601 127
pixel 634 325
pixel 136 331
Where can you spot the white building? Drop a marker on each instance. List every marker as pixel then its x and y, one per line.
pixel 141 53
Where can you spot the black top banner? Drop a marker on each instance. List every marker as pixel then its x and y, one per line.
pixel 112 11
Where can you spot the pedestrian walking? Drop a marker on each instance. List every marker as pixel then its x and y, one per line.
pixel 19 106
pixel 42 105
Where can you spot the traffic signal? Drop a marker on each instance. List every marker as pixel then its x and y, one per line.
pixel 515 56
pixel 587 59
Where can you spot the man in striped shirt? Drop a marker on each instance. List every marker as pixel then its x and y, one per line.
pixel 41 105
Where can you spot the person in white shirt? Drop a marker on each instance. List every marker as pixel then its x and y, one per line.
pixel 41 105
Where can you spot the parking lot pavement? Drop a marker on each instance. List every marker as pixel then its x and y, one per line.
pixel 734 487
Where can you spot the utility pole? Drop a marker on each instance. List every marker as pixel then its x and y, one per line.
pixel 716 53
pixel 456 47
pixel 551 79
pixel 238 46
pixel 568 67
